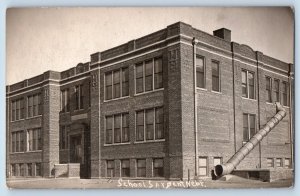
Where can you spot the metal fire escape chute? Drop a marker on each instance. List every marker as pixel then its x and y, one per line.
pixel 228 167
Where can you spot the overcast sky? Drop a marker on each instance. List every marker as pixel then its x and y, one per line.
pixel 41 39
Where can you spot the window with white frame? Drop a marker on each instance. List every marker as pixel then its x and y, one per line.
pixel 110 168
pixel 141 167
pixel 276 90
pixel 200 72
pixel 149 75
pixel 65 100
pixel 203 166
pixel 117 128
pixel 17 141
pixel 215 71
pixel 249 127
pixel 34 105
pixel 279 162
pixel 158 167
pixel 79 97
pixel 117 83
pixel 217 161
pixel 34 139
pixel 17 109
pixel 268 89
pixel 287 163
pixel 150 124
pixel 270 162
pixel 248 84
pixel 125 168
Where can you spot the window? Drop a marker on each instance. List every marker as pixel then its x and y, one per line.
pixel 125 168
pixel 217 161
pixel 285 94
pixel 34 141
pixel 200 72
pixel 158 73
pixel 22 169
pixel 215 69
pixel 38 169
pixel 34 105
pixel 248 126
pixel 29 169
pixel 117 83
pixel 110 168
pixel 117 128
pixel 149 75
pixel 203 166
pixel 17 141
pixel 79 97
pixel 276 90
pixel 268 89
pixel 287 163
pixel 158 167
pixel 65 100
pixel 248 83
pixel 63 137
pixel 270 162
pixel 150 124
pixel 17 109
pixel 141 168
pixel 14 170
pixel 279 162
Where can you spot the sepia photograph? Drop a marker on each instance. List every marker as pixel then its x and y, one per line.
pixel 150 97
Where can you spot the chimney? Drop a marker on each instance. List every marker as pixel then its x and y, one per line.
pixel 223 33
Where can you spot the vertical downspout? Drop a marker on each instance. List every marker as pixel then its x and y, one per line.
pixel 195 41
pixel 258 106
pixel 291 95
pixel 233 95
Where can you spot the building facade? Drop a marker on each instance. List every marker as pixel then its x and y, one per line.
pixel 171 104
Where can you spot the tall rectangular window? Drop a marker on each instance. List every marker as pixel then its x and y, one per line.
pixel 140 126
pixel 203 166
pixel 158 167
pixel 117 128
pixel 270 162
pixel 65 100
pixel 141 168
pixel 63 137
pixel 17 141
pixel 38 169
pixel 34 105
pixel 17 109
pixel 108 85
pixel 248 84
pixel 149 75
pixel 158 73
pixel 268 89
pixel 200 72
pixel 29 169
pixel 125 168
pixel 110 168
pixel 34 139
pixel 14 169
pixel 117 83
pixel 285 92
pixel 125 82
pixel 249 129
pixel 79 97
pixel 150 124
pixel 279 162
pixel 276 90
pixel 287 163
pixel 215 69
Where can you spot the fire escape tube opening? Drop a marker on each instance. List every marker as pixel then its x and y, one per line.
pixel 234 161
